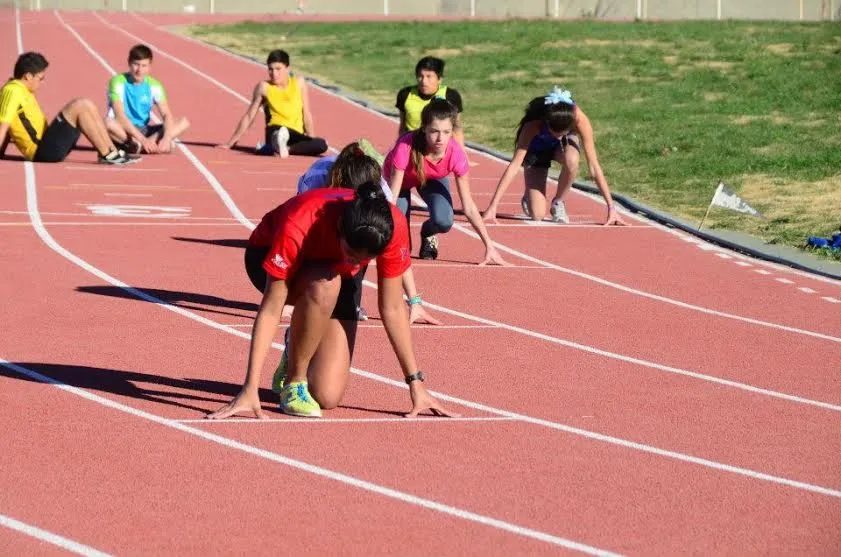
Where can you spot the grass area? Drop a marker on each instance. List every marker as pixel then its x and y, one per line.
pixel 676 106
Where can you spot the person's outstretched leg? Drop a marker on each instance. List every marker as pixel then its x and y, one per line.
pixel 436 195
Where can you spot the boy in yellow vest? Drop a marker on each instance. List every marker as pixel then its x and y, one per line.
pixel 285 103
pixel 23 123
pixel 412 99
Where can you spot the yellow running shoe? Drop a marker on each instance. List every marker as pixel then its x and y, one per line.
pixel 295 400
pixel 279 377
pixel 371 151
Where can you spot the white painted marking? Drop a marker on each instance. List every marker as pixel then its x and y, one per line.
pixel 723 256
pixel 49 537
pixel 831 300
pixel 743 264
pixel 141 211
pixel 762 271
pixel 423 419
pixel 784 281
pixel 128 195
pixel 807 290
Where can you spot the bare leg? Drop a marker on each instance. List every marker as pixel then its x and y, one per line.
pixel 535 179
pixel 82 114
pixel 116 131
pixel 181 125
pixel 569 172
pixel 319 291
pixel 330 367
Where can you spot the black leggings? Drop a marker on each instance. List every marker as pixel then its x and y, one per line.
pixel 299 143
pixel 350 294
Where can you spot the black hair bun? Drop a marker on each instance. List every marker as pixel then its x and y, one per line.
pixel 370 191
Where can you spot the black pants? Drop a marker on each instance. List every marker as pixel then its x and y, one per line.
pixel 350 294
pixel 299 143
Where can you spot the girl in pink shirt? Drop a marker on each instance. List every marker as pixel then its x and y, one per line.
pixel 423 159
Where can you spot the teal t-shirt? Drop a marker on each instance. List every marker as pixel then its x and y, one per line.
pixel 137 98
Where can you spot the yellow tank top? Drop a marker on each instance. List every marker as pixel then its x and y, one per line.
pixel 285 106
pixel 415 104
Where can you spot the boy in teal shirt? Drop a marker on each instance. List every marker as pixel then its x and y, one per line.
pixel 131 97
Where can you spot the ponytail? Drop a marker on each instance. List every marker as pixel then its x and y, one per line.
pixel 353 168
pixel 367 224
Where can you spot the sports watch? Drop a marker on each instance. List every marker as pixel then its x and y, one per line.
pixel 414 377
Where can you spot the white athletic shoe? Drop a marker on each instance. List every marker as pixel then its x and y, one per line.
pixel 559 212
pixel 280 140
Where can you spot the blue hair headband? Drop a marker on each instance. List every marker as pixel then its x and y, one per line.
pixel 558 95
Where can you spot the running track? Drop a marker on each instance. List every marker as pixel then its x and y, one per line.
pixel 625 390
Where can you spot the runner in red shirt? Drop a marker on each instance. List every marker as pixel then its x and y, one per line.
pixel 309 252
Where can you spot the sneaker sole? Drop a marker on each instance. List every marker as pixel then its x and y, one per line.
pixel 300 414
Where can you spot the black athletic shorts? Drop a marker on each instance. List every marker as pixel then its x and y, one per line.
pixel 544 158
pixel 350 294
pixel 58 140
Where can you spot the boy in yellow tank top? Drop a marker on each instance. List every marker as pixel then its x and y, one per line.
pixel 285 103
pixel 411 100
pixel 23 123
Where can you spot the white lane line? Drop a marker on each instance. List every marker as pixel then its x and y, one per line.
pixel 395 420
pixel 784 281
pixel 762 271
pixel 32 205
pixel 744 264
pixel 128 195
pixel 723 255
pixel 807 290
pixel 831 300
pixel 522 255
pixel 50 537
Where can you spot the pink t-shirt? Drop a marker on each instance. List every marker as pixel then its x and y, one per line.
pixel 454 161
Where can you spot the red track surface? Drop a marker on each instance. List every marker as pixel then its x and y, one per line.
pixel 649 397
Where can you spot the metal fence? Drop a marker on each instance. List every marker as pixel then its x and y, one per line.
pixel 787 10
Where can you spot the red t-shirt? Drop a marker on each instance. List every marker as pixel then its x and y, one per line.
pixel 306 229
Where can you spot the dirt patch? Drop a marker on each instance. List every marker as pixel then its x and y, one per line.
pixel 444 52
pixel 671 60
pixel 808 202
pixel 645 43
pixel 774 118
pixel 520 74
pixel 713 97
pixel 783 49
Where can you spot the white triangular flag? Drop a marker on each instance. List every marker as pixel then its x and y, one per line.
pixel 727 198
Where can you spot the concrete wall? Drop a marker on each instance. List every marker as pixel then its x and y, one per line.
pixel 812 10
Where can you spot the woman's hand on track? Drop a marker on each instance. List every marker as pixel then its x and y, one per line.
pixel 492 257
pixel 245 401
pixel 418 314
pixel 614 218
pixel 422 400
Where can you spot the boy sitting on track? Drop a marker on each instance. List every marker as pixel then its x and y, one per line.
pixel 131 97
pixel 23 122
pixel 285 103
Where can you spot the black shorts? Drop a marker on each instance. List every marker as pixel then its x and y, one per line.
pixel 154 129
pixel 58 140
pixel 544 158
pixel 350 294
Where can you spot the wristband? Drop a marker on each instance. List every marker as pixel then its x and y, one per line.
pixel 415 377
pixel 415 300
